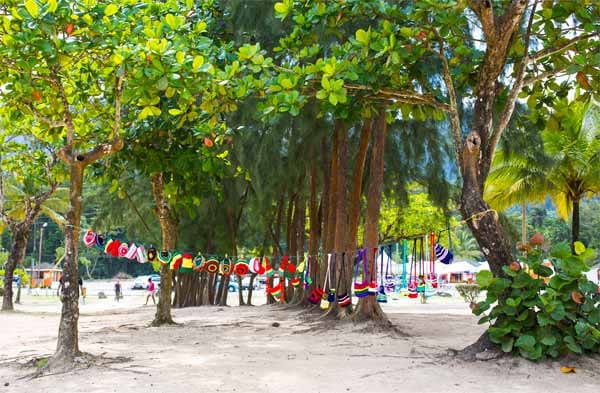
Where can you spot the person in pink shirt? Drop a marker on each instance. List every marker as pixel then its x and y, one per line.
pixel 151 289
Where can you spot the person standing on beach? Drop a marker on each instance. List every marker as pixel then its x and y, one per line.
pixel 118 290
pixel 150 291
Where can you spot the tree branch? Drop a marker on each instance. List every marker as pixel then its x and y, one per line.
pixel 514 92
pixel 552 51
pixel 49 122
pixel 485 12
pixel 544 75
pixel 453 110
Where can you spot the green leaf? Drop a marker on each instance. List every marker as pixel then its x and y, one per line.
pixel 32 8
pixel 579 247
pixel 175 111
pixel 333 99
pixel 52 6
pixel 507 345
pixel 525 341
pixel 362 36
pixel 485 278
pixel 111 9
pixel 198 61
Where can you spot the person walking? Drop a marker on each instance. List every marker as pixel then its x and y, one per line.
pixel 118 294
pixel 151 289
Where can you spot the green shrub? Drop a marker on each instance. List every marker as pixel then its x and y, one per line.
pixel 469 292
pixel 537 319
pixel 18 272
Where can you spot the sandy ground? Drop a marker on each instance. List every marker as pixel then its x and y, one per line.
pixel 233 349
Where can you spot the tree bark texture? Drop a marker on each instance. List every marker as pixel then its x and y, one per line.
pixel 67 347
pixel 20 234
pixel 168 228
pixel 368 308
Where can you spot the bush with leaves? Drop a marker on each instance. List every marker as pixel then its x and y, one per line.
pixel 469 292
pixel 25 279
pixel 539 319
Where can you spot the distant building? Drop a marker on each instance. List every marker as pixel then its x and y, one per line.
pixel 43 275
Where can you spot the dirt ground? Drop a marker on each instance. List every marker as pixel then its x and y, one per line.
pixel 238 349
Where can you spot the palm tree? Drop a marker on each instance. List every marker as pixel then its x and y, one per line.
pixel 19 209
pixel 567 171
pixel 466 246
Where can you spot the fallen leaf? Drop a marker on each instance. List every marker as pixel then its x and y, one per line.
pixel 567 370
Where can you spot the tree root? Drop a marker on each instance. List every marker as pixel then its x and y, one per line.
pixel 482 349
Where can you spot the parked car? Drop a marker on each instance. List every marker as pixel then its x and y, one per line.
pixel 141 282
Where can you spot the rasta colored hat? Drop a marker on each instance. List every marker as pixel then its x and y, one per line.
pixel 141 254
pixel 131 252
pixel 108 246
pixel 176 261
pixel 268 269
pixel 89 238
pixel 152 253
pixel 241 267
pixel 123 250
pixel 443 255
pixel 211 266
pixel 295 282
pixel 164 257
pixel 100 240
pixel 198 263
pixel 187 264
pixel 225 267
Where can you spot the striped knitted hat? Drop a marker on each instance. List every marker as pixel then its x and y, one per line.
pixel 176 261
pixel 443 255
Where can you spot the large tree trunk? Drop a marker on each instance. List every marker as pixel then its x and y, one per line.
pixel 482 221
pixel 67 347
pixel 368 308
pixel 20 234
pixel 167 227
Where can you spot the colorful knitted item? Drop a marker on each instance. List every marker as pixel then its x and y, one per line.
pixel 241 267
pixel 114 250
pixel 412 290
pixel 225 267
pixel 276 291
pixel 331 295
pixel 268 269
pixel 123 250
pixel 325 303
pixel 176 261
pixel 100 240
pixel 443 255
pixel 199 263
pixel 164 257
pixel 283 265
pixel 187 264
pixel 152 253
pixel 295 282
pixel 361 289
pixel 381 296
pixel 211 266
pixel 373 290
pixel 141 254
pixel 344 300
pixel 432 278
pixel 108 246
pixel 315 295
pixel 89 239
pixel 131 252
pixel 421 287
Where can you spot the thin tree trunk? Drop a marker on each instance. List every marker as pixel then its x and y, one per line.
pixel 167 227
pixel 368 308
pixel 20 234
pixel 67 347
pixel 524 222
pixel 575 222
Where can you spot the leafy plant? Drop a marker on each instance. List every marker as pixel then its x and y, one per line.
pixel 469 292
pixel 21 273
pixel 540 311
